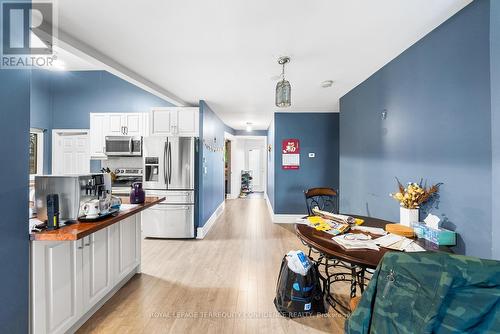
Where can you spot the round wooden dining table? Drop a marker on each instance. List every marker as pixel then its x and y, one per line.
pixel 354 263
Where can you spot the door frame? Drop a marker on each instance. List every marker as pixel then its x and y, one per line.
pixel 56 133
pixel 236 185
pixel 233 194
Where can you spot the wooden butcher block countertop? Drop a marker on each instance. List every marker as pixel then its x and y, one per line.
pixel 82 229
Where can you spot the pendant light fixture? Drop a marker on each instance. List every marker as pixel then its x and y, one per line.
pixel 283 88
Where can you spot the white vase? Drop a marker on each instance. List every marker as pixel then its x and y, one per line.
pixel 408 216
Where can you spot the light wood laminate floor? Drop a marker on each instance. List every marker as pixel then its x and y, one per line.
pixel 222 284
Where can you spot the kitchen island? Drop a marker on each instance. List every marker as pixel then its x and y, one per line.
pixel 77 268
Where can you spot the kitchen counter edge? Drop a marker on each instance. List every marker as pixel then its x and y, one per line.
pixel 82 229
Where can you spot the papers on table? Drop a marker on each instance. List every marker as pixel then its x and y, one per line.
pixel 342 219
pixel 355 241
pixel 371 230
pixel 325 225
pixel 397 242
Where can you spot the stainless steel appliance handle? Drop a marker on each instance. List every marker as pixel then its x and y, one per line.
pixel 130 145
pixel 169 163
pixel 165 163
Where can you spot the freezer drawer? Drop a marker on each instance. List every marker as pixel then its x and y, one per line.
pixel 168 221
pixel 173 197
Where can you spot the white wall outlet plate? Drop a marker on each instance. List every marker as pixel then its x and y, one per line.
pixel 312 155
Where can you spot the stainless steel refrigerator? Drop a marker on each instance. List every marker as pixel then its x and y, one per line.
pixel 169 171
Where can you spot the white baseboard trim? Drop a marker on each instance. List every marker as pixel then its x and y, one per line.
pixel 281 218
pixel 286 219
pixel 201 232
pixel 269 207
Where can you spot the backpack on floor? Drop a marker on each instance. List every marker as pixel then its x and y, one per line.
pixel 297 295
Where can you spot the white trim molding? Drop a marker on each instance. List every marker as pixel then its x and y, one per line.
pixel 281 218
pixel 201 232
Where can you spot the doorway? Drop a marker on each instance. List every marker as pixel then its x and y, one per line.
pixel 254 156
pixel 70 152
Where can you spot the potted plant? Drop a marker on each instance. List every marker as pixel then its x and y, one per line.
pixel 410 199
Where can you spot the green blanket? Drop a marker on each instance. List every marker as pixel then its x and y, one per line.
pixel 430 293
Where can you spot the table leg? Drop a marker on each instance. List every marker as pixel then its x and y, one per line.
pixel 362 280
pixel 353 281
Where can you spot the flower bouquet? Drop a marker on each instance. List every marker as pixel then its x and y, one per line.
pixel 410 199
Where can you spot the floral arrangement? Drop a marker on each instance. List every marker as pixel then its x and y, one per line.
pixel 415 194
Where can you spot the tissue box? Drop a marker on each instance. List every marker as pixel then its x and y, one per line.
pixel 441 236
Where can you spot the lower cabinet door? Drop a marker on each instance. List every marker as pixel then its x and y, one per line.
pixel 97 280
pixel 128 247
pixel 56 285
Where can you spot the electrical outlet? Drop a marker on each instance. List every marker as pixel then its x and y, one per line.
pixel 312 155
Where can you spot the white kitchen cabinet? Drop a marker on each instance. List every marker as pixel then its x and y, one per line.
pixel 115 124
pixel 97 267
pixel 56 279
pixel 174 121
pixel 70 278
pixel 133 124
pixel 99 129
pixel 161 122
pixel 126 238
pixel 188 122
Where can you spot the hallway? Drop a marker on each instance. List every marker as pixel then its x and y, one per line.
pixel 224 283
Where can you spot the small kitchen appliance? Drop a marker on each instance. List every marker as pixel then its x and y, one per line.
pixel 123 146
pixel 137 194
pixel 72 190
pixel 52 211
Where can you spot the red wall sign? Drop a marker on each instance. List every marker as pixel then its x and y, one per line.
pixel 290 152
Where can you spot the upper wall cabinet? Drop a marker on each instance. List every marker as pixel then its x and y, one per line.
pixel 174 121
pixel 130 124
pixel 114 124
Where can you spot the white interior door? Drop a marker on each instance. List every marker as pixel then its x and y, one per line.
pixel 255 165
pixel 70 152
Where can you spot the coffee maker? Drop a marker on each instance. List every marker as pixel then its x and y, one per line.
pixel 73 191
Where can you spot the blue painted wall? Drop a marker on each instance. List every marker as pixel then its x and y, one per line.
pixel 14 243
pixel 250 133
pixel 438 126
pixel 495 122
pixel 212 182
pixel 318 133
pixel 64 100
pixel 270 163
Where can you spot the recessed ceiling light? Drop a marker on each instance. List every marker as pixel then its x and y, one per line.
pixel 327 83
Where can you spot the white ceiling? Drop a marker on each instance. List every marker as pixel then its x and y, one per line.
pixel 225 51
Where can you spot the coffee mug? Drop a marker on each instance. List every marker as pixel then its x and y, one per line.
pixel 91 208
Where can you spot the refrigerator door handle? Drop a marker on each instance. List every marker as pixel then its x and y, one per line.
pixel 165 163
pixel 169 163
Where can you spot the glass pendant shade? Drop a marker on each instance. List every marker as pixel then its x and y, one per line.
pixel 283 94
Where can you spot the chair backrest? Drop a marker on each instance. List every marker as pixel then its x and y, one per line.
pixel 326 199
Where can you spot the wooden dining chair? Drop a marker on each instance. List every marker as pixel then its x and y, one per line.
pixel 326 199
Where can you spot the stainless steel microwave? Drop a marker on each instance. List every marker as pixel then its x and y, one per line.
pixel 123 146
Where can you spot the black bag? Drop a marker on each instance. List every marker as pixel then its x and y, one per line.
pixel 297 295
